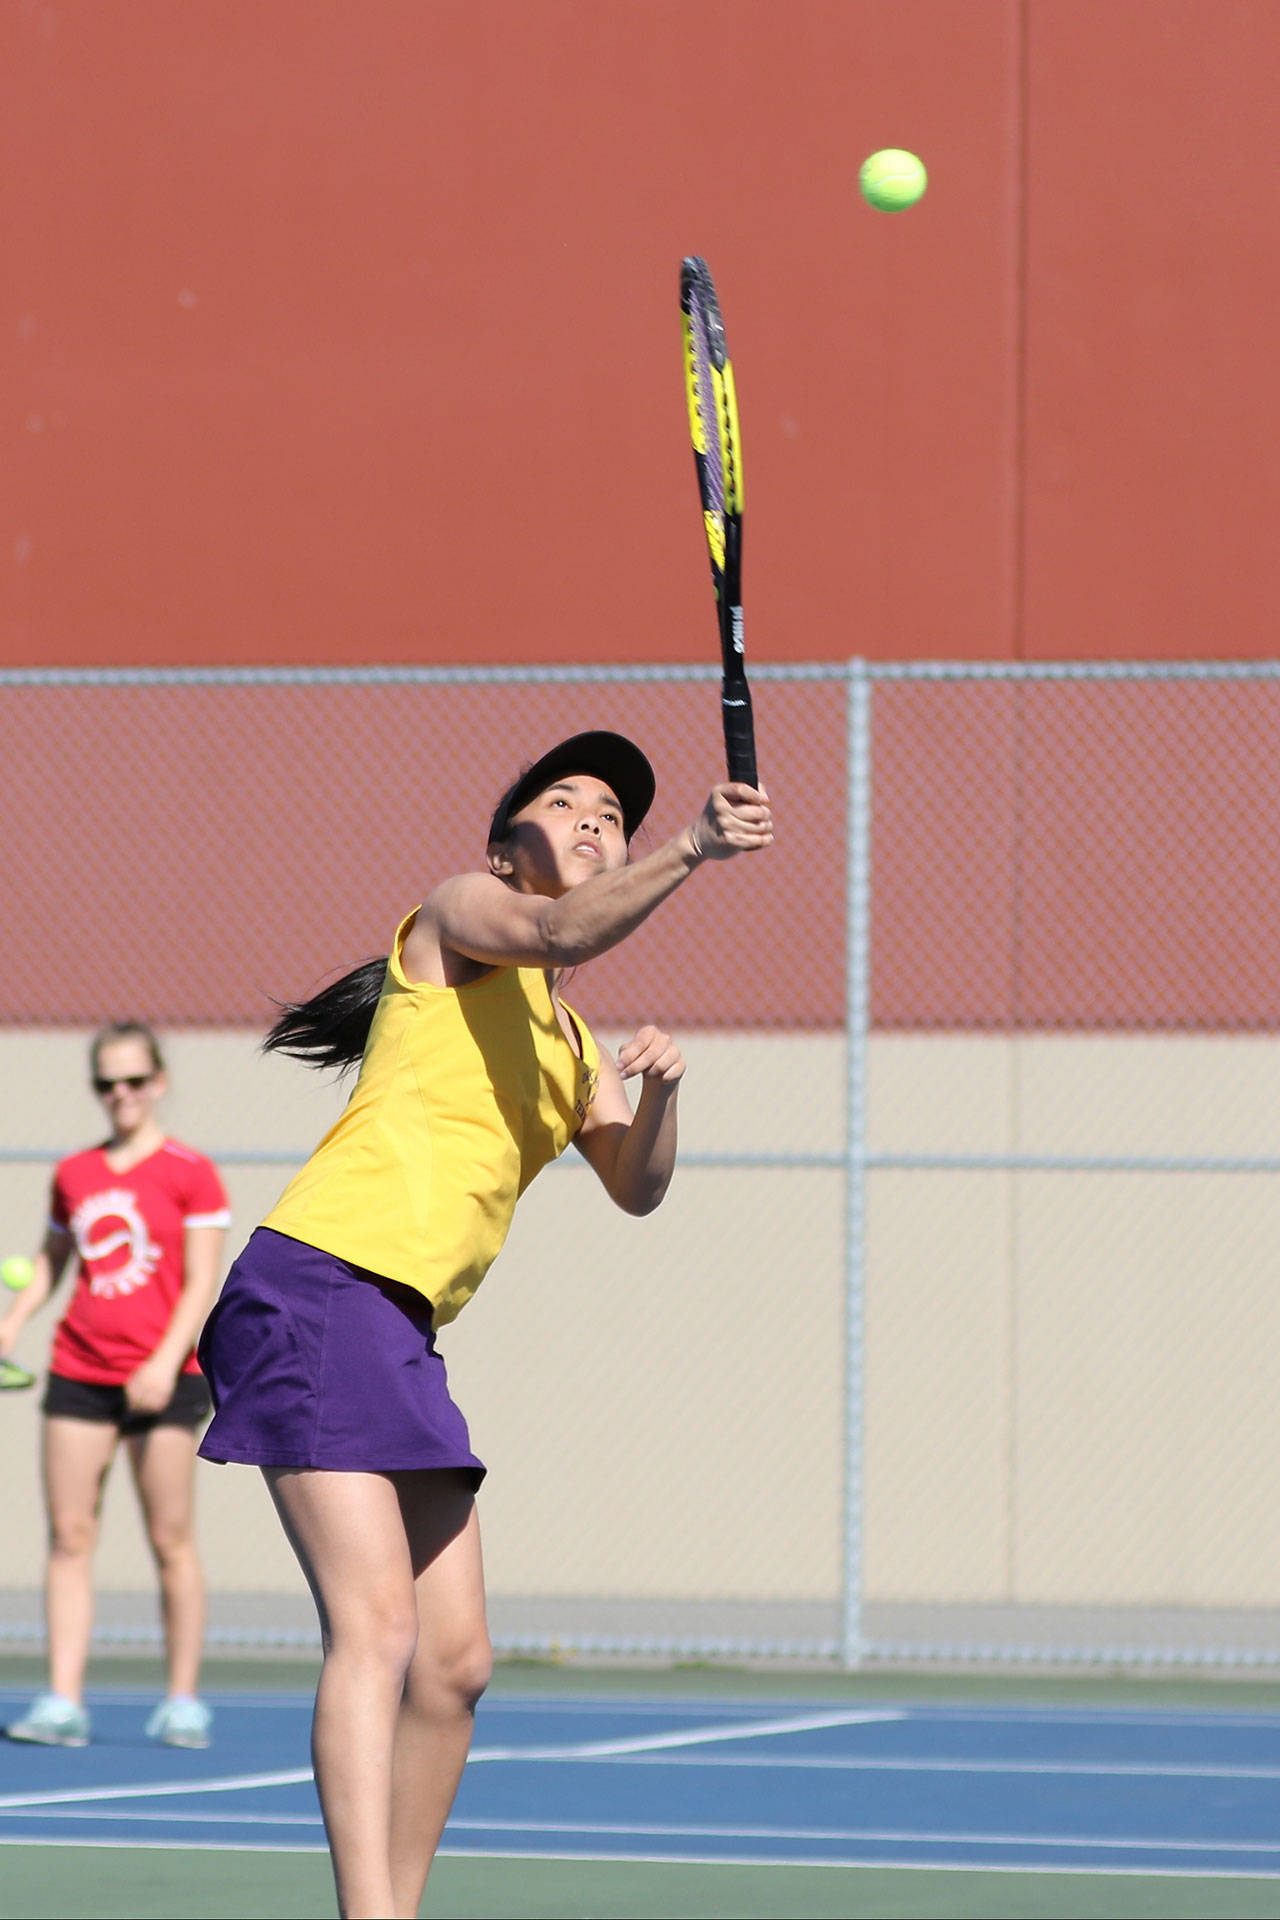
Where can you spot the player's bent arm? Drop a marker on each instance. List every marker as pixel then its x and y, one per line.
pixel 201 1260
pixel 150 1386
pixel 633 1155
pixel 47 1269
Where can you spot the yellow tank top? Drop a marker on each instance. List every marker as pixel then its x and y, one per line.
pixel 464 1095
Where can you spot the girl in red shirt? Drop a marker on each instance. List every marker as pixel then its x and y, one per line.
pixel 144 1221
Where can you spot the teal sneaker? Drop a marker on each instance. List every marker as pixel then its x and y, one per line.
pixel 52 1721
pixel 181 1722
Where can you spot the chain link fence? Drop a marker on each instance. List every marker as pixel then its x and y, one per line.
pixel 956 1336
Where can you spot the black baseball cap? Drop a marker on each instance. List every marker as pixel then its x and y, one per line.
pixel 610 756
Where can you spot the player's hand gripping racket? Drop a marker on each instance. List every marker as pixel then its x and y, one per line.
pixel 717 454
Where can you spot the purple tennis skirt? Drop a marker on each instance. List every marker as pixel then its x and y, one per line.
pixel 315 1363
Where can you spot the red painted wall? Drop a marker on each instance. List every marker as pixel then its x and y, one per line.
pixel 347 333
pixel 350 332
pixel 1152 289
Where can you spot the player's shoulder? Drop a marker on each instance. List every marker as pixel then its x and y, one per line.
pixel 179 1151
pixel 451 905
pixel 461 886
pixel 179 1155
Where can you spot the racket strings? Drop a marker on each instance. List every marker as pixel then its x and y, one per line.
pixel 708 440
pixel 729 451
pixel 704 394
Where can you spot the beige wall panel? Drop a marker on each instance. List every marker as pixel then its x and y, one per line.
pixel 659 1401
pixel 941 1093
pixel 1096 1095
pixel 1148 1419
pixel 938 1391
pixel 760 1093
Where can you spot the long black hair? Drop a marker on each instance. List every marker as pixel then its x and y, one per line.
pixel 331 1028
pixel 329 1031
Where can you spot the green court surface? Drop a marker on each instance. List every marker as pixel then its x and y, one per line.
pixel 97 1883
pixel 71 1879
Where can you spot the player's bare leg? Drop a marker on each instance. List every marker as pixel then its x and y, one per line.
pixel 348 1532
pixel 449 1672
pixel 77 1455
pixel 163 1463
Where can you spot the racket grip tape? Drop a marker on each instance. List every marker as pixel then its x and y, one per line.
pixel 739 733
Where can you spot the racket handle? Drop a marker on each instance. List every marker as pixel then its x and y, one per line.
pixel 739 732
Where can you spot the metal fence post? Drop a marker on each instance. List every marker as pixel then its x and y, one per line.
pixel 857 1022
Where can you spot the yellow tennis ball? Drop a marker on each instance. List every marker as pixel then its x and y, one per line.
pixel 892 179
pixel 17 1272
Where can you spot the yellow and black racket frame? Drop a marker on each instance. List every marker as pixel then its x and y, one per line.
pixel 717 455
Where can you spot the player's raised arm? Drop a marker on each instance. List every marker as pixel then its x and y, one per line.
pixel 571 838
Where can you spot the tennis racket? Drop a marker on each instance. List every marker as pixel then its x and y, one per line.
pixel 717 454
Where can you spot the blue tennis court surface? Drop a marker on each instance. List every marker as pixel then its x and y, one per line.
pixel 1018 1788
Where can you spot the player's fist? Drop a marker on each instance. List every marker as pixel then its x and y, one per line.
pixel 736 819
pixel 652 1055
pixel 150 1387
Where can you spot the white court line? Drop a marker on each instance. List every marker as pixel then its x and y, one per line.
pixel 906 1836
pixel 1085 1769
pixel 1198 1718
pixel 294 1777
pixel 672 1830
pixel 873 1861
pixel 130 1817
pixel 682 1859
pixel 699 1737
pixel 587 1750
pixel 687 1859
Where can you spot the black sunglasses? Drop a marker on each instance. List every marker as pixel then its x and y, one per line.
pixel 134 1081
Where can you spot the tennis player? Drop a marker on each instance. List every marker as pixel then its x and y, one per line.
pixel 321 1352
pixel 144 1220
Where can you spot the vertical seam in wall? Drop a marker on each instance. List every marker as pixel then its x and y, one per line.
pixel 1019 162
pixel 1019 169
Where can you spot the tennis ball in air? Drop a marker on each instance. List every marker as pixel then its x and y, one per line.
pixel 892 179
pixel 17 1272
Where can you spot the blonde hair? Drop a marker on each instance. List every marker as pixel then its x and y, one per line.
pixel 125 1030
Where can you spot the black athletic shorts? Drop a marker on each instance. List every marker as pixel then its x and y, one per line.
pixel 87 1400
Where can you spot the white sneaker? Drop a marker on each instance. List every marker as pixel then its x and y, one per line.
pixel 181 1722
pixel 52 1721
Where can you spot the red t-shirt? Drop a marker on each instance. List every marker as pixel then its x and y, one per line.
pixel 128 1229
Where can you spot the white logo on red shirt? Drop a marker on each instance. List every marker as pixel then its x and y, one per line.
pixel 110 1224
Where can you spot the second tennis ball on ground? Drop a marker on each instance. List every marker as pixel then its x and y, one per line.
pixel 892 179
pixel 17 1272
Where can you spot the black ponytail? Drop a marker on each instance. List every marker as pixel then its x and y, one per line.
pixel 331 1028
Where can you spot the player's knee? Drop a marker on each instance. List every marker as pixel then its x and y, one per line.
pixel 171 1541
pixel 461 1670
pixel 383 1631
pixel 72 1536
pixel 474 1670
